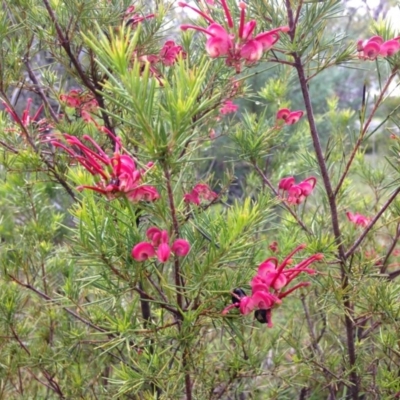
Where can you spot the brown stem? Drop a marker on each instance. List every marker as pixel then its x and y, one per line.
pixel 48 298
pixel 364 131
pixel 175 224
pixel 39 90
pixel 371 224
pixel 354 389
pixel 9 147
pixel 94 87
pixel 26 135
pixel 391 248
pixel 178 280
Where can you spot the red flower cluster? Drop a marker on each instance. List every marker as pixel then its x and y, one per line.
pixel 118 174
pixel 269 284
pixel 289 117
pixel 83 101
pixel 168 56
pixel 159 246
pixel 358 219
pixel 295 194
pixel 170 53
pixel 372 48
pixel 228 107
pixel 235 46
pixel 200 192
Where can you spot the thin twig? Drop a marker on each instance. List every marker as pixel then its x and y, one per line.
pixel 363 132
pixel 371 224
pixel 391 248
pixel 39 90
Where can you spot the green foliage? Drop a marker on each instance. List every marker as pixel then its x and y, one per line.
pixel 83 316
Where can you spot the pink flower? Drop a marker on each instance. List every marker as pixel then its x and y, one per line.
pixel 228 107
pixel 170 52
pixel 269 285
pixel 289 117
pixel 358 219
pixel 375 46
pixel 181 247
pixel 25 119
pixel 142 251
pixel 239 45
pixel 163 252
pixel 159 246
pixel 83 101
pixel 117 175
pixel 296 194
pixel 201 192
pixel 389 48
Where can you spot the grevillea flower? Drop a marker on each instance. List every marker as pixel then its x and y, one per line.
pixel 25 119
pixel 116 175
pixel 83 101
pixel 159 246
pixel 228 107
pixel 295 194
pixel 200 192
pixel 132 19
pixel 170 52
pixel 374 47
pixel 288 117
pixel 236 46
pixel 270 285
pixel 358 219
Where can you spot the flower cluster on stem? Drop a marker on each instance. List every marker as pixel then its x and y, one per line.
pixel 288 117
pixel 159 246
pixel 374 47
pixel 235 43
pixel 201 192
pixel 270 285
pixel 358 219
pixel 296 193
pixel 118 175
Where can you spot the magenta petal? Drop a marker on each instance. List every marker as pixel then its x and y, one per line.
pixel 247 305
pixel 142 251
pixel 217 47
pixel 286 183
pixel 252 51
pixel 283 113
pixel 163 252
pixel 371 50
pixel 294 117
pixel 389 48
pixel 181 247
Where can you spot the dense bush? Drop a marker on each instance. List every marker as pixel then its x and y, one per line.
pixel 193 204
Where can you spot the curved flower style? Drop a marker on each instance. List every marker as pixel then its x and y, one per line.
pixel 200 192
pixel 118 174
pixel 374 47
pixel 269 286
pixel 289 117
pixel 159 246
pixel 235 46
pixel 26 118
pixel 358 219
pixel 133 19
pixel 295 194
